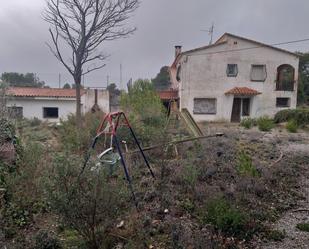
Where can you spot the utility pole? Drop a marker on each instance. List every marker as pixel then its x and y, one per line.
pixel 59 80
pixel 107 81
pixel 210 32
pixel 120 75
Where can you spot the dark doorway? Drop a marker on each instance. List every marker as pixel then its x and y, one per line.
pixel 246 107
pixel 236 110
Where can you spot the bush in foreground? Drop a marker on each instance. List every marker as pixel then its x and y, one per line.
pixel 248 123
pixel 226 218
pixel 303 227
pixel 292 126
pixel 245 165
pixel 265 123
pixel 72 138
pixel 301 116
pixel 88 203
pixel 46 240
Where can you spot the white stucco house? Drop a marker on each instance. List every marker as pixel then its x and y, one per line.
pixel 234 78
pixel 53 104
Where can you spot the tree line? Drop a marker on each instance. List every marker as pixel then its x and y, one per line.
pixel 160 82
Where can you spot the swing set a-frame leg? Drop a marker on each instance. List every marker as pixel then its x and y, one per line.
pixel 142 152
pixel 125 170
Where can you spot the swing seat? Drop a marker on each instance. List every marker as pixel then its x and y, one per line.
pixel 109 157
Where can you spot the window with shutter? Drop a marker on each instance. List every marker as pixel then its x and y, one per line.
pixel 258 73
pixel 205 106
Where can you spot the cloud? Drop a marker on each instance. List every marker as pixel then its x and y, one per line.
pixel 161 25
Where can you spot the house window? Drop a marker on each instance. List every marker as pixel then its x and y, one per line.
pixel 258 73
pixel 15 112
pixel 205 106
pixel 231 70
pixel 50 112
pixel 283 102
pixel 285 78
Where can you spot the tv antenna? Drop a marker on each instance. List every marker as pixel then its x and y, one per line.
pixel 210 32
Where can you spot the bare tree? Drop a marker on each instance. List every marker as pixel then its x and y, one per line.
pixel 83 25
pixel 3 99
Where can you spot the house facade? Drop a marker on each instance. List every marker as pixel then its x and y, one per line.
pixel 53 104
pixel 235 78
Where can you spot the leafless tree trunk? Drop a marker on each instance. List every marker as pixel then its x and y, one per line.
pixel 82 26
pixel 3 98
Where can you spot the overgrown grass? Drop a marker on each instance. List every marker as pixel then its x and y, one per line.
pixel 248 123
pixel 292 126
pixel 190 174
pixel 275 235
pixel 265 123
pixel 226 218
pixel 303 227
pixel 75 140
pixel 47 240
pixel 23 189
pixel 7 130
pixel 245 166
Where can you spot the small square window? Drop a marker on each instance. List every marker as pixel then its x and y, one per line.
pixel 205 106
pixel 231 70
pixel 283 102
pixel 258 73
pixel 50 112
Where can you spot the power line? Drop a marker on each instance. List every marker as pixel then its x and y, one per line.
pixel 255 47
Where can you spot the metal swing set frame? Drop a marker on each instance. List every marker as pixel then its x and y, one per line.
pixel 108 127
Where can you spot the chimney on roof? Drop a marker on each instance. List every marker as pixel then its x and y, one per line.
pixel 177 51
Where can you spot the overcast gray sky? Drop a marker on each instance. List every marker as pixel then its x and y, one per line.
pixel 161 24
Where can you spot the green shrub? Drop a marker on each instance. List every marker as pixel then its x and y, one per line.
pixel 303 227
pixel 7 130
pixel 291 126
pixel 247 123
pixel 190 175
pixel 275 235
pixel 226 218
pixel 46 240
pixel 34 122
pixel 145 112
pixel 187 205
pixel 265 123
pixel 72 138
pixel 301 116
pixel 245 165
pixel 89 202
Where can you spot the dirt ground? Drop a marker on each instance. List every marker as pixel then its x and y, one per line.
pixel 290 146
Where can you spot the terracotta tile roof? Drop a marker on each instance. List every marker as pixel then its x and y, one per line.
pixel 242 91
pixel 43 92
pixel 168 95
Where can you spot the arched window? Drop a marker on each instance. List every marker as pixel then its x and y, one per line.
pixel 285 78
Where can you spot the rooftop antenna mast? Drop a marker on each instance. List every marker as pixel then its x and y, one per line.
pixel 120 75
pixel 210 32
